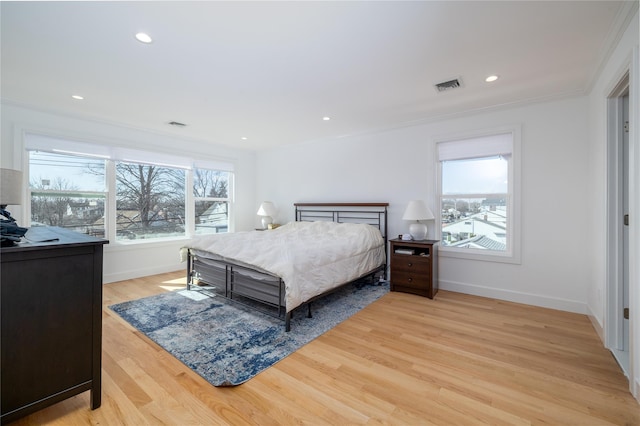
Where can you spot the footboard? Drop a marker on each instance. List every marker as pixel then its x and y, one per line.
pixel 261 291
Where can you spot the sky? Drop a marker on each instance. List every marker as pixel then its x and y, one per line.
pixel 475 176
pixel 47 166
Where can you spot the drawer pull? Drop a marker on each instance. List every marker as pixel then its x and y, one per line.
pixel 410 264
pixel 410 279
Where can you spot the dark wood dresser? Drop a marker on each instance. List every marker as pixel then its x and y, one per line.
pixel 51 320
pixel 414 267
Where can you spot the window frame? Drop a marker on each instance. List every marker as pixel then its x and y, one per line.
pixel 42 141
pixel 513 252
pixel 80 193
pixel 113 231
pixel 228 199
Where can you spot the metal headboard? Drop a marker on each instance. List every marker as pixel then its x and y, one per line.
pixel 374 214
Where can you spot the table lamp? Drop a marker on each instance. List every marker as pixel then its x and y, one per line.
pixel 266 210
pixel 417 210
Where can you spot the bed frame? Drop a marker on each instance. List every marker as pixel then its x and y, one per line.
pixel 266 292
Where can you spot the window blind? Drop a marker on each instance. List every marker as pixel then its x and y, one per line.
pixel 478 147
pixel 37 142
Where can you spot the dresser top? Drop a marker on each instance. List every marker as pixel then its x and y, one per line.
pixel 51 236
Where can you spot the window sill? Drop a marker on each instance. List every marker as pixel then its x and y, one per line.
pixel 479 255
pixel 119 245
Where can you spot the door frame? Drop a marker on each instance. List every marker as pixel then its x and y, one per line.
pixel 613 217
pixel 614 336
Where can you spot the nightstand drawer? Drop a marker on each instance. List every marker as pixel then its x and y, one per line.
pixel 417 264
pixel 411 280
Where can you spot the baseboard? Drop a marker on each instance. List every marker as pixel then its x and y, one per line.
pixel 515 296
pixel 597 325
pixel 144 272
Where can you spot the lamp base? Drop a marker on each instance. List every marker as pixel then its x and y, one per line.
pixel 266 221
pixel 418 231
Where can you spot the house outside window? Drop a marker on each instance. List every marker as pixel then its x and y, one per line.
pixel 478 194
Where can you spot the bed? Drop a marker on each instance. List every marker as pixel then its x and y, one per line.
pixel 282 270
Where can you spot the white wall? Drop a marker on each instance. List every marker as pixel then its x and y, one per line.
pixel 398 166
pixel 135 260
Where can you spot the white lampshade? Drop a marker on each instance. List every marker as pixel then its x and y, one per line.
pixel 10 187
pixel 266 210
pixel 417 210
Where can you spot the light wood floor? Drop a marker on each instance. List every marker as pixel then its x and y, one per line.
pixel 405 359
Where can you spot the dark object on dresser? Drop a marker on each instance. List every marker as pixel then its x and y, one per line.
pixel 414 267
pixel 51 320
pixel 10 233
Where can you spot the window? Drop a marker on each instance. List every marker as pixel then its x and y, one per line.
pixel 149 201
pixel 211 190
pixel 67 191
pixel 125 195
pixel 477 197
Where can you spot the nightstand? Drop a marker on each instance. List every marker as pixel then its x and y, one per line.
pixel 414 267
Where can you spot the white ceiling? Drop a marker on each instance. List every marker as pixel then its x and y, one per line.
pixel 269 71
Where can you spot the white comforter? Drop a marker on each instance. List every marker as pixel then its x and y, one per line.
pixel 310 257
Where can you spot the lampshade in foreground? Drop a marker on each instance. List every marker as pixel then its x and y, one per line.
pixel 10 187
pixel 417 210
pixel 10 190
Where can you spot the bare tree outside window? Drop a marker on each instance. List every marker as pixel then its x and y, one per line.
pixel 149 201
pixel 51 208
pixel 210 183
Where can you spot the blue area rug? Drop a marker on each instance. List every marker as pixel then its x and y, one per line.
pixel 227 343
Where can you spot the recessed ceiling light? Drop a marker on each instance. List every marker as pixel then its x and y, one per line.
pixel 144 38
pixel 491 78
pixel 326 118
pixel 77 97
pixel 244 138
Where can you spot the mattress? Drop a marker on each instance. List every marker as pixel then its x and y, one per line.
pixel 310 257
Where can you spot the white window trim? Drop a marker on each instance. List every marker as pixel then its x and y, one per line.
pixel 52 141
pixel 228 199
pixel 513 253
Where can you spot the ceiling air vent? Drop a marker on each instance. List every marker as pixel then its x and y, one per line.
pixel 448 85
pixel 177 124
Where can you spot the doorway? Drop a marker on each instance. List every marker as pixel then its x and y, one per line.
pixel 617 301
